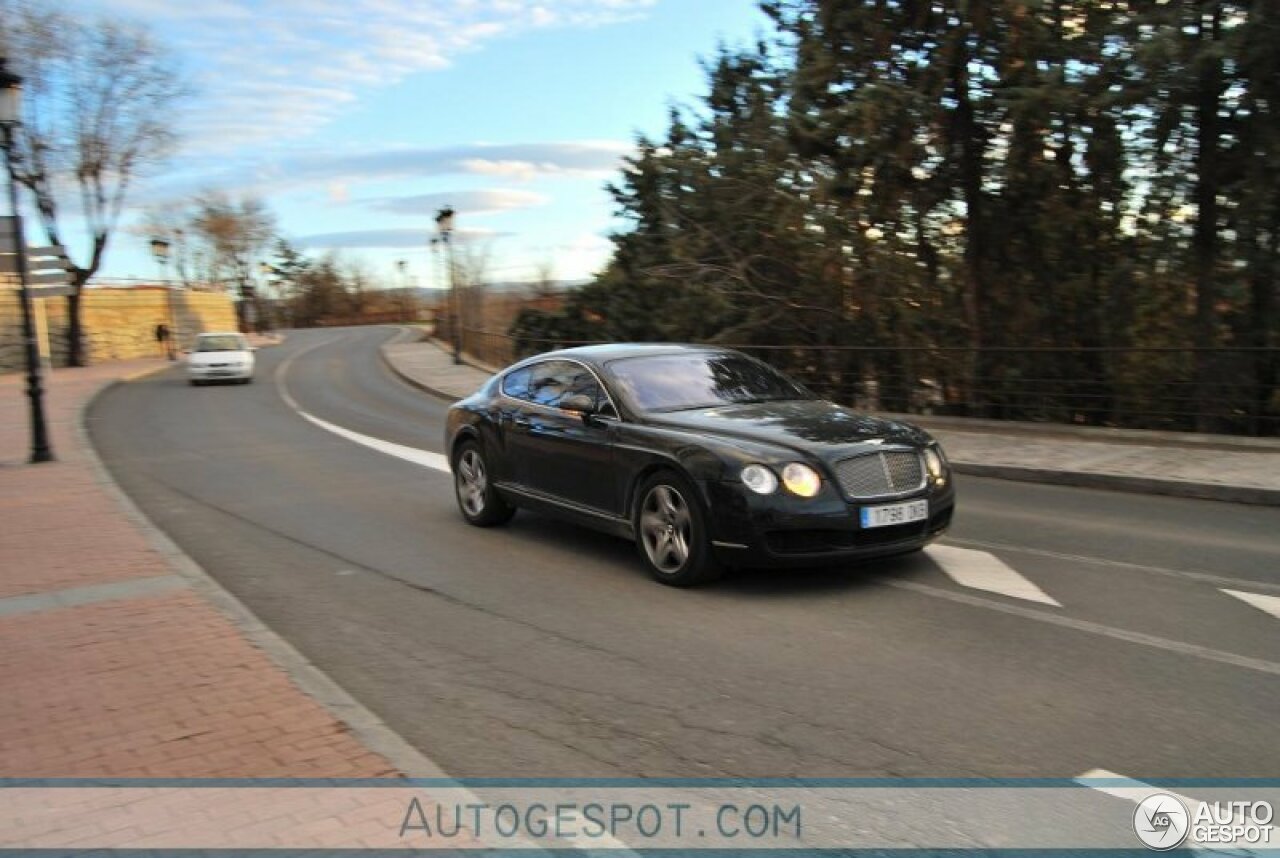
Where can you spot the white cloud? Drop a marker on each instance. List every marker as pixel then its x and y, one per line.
pixel 469 202
pixel 589 158
pixel 395 239
pixel 272 72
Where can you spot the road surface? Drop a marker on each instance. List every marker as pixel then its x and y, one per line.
pixel 1056 631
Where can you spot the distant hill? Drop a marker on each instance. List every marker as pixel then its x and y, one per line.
pixel 509 287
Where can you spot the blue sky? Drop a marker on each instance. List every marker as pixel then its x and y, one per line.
pixel 357 119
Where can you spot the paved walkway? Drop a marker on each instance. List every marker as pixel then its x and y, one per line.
pixel 1216 467
pixel 111 661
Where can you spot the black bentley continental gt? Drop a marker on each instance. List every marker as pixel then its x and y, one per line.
pixel 704 456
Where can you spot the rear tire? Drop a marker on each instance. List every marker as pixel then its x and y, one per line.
pixel 478 500
pixel 671 532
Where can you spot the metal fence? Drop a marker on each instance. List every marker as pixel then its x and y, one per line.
pixel 1222 390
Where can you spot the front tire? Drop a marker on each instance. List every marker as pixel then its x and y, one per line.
pixel 671 532
pixel 478 500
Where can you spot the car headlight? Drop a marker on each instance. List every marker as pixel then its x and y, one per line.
pixel 759 479
pixel 801 480
pixel 935 461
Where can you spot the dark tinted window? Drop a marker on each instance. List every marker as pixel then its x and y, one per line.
pixel 517 383
pixel 675 382
pixel 221 343
pixel 552 380
pixel 585 384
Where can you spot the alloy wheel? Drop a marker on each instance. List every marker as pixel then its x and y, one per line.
pixel 472 481
pixel 665 528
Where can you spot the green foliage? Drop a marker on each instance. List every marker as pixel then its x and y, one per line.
pixel 986 195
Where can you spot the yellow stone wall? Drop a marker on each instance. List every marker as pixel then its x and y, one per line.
pixel 119 324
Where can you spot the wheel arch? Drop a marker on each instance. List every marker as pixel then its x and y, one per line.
pixel 465 433
pixel 656 466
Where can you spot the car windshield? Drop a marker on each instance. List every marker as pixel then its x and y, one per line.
pixel 221 343
pixel 687 381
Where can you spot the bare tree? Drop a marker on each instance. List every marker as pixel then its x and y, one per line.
pixel 235 235
pixel 544 280
pixel 99 102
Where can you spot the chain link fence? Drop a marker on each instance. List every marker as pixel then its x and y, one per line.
pixel 1221 390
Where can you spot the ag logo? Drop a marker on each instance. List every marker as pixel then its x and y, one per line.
pixel 1161 821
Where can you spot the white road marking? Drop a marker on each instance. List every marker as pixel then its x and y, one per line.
pixel 1134 791
pixel 979 570
pixel 1207 578
pixel 1270 604
pixel 425 458
pixel 956 562
pixel 1194 650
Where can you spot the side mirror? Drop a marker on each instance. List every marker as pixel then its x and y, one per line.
pixel 579 402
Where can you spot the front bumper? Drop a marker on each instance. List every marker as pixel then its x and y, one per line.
pixel 219 373
pixel 781 529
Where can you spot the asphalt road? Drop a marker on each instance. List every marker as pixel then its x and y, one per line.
pixel 540 649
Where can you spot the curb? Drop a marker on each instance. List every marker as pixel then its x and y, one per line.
pixel 1018 473
pixel 1123 483
pixel 404 376
pixel 413 382
pixel 304 675
pixel 1109 435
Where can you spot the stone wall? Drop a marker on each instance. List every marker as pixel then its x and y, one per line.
pixel 119 324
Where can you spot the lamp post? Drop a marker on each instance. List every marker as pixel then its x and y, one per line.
pixel 10 116
pixel 160 252
pixel 402 286
pixel 444 226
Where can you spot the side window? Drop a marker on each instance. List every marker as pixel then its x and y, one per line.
pixel 550 381
pixel 516 384
pixel 583 382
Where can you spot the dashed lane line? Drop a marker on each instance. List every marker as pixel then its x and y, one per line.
pixel 417 456
pixel 1186 574
pixel 980 570
pixel 1270 604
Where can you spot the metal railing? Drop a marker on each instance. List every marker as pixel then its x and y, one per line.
pixel 1221 390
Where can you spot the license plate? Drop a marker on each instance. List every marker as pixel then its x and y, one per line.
pixel 895 513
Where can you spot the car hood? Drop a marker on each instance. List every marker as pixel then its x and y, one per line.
pixel 818 427
pixel 207 358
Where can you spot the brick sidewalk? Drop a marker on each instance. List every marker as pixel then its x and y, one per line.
pixel 111 664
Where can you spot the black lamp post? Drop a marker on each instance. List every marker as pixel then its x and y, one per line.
pixel 160 252
pixel 444 226
pixel 10 117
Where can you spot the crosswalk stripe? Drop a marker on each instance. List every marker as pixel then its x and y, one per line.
pixel 980 570
pixel 1270 604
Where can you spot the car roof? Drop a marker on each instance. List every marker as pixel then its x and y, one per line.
pixel 605 352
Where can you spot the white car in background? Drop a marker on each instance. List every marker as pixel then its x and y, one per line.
pixel 220 357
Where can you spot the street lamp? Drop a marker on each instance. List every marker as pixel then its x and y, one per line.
pixel 160 252
pixel 10 117
pixel 444 226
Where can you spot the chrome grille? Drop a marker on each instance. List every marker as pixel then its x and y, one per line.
pixel 889 472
